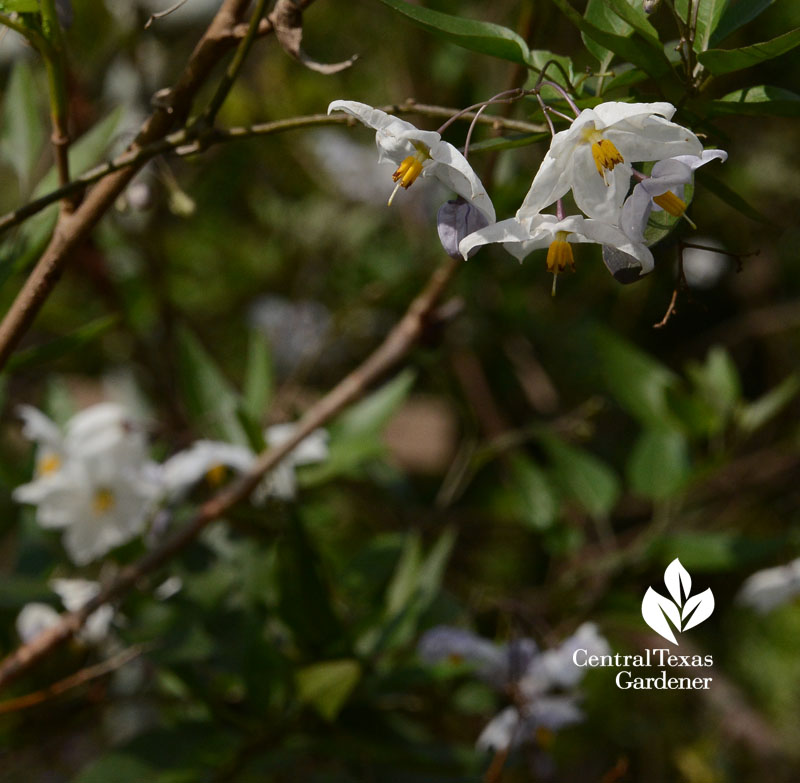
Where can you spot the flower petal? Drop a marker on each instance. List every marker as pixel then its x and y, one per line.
pixel 550 184
pixel 613 112
pixel 452 168
pixel 509 232
pixel 598 198
pixel 605 234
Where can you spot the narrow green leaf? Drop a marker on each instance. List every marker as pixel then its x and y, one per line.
pixel 23 129
pixel 210 400
pixel 406 574
pixel 709 13
pixel 259 377
pixel 433 567
pixel 372 413
pixel 756 414
pixel 326 686
pixel 658 466
pixel 583 477
pixel 538 503
pixel 631 13
pixel 720 61
pixel 637 50
pixel 736 14
pixel 61 346
pixel 636 381
pixel 599 13
pixel 21 6
pixel 717 380
pixel 483 37
pixel 732 198
pixel 760 101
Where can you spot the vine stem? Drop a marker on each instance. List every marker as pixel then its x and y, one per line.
pixel 390 352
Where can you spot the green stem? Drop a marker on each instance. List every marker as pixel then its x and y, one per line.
pixel 232 72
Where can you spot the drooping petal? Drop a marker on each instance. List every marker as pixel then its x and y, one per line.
pixel 605 234
pixel 510 232
pixel 452 168
pixel 667 175
pixel 635 213
pixel 652 139
pixel 186 468
pixel 694 162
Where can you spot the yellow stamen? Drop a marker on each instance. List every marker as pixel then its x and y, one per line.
pixel 559 256
pixel 49 463
pixel 216 475
pixel 605 154
pixel 103 501
pixel 675 206
pixel 408 170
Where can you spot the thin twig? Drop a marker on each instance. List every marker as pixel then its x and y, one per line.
pixel 184 143
pixel 73 681
pixel 72 229
pixel 166 12
pixel 394 347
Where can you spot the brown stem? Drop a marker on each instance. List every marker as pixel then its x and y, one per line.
pixel 396 345
pixel 73 228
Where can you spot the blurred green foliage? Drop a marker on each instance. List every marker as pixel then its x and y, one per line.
pixel 578 449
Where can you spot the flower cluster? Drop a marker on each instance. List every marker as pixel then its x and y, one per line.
pixel 543 684
pixel 96 481
pixel 592 159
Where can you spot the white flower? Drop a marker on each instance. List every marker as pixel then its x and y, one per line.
pixel 593 156
pixel 47 436
pixel 416 152
pixel 99 504
pixel 765 590
pixel 281 482
pixel 522 237
pixel 36 618
pixel 203 459
pixel 75 594
pixel 663 189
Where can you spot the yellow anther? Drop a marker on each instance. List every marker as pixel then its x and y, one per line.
pixel 103 501
pixel 48 463
pixel 559 256
pixel 216 475
pixel 606 156
pixel 675 206
pixel 408 170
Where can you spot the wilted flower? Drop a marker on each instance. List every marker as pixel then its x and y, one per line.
pixel 765 590
pixel 663 189
pixel 75 594
pixel 593 156
pixel 542 684
pixel 455 221
pixel 417 152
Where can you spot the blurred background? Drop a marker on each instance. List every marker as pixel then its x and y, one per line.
pixel 536 465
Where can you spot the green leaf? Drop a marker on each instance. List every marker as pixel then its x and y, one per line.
pixel 755 415
pixel 326 686
pixel 717 380
pixel 599 13
pixel 760 101
pixel 736 14
pixel 20 6
pixel 636 381
pixel 17 253
pixel 713 551
pixel 659 464
pixel 119 767
pixel 632 13
pixel 305 603
pixel 637 50
pixel 61 346
pixel 210 400
pixel 709 13
pixel 483 37
pixel 356 436
pixel 538 503
pixel 259 378
pixel 720 61
pixel 404 580
pixel 732 198
pixel 583 477
pixel 23 131
pixel 538 58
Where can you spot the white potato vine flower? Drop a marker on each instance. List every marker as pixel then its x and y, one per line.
pixel 522 237
pixel 203 459
pixel 417 152
pixel 544 682
pixel 765 590
pixel 75 594
pixel 663 190
pixel 593 156
pixel 95 482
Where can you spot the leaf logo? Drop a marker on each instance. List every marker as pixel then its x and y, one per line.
pixel 684 611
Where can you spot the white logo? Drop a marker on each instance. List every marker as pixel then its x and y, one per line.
pixel 684 612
